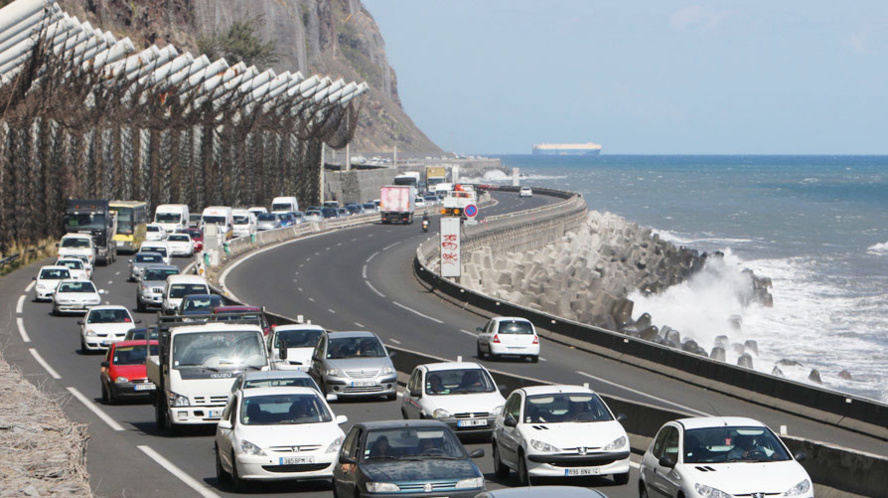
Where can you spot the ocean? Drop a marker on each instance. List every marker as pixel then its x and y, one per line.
pixel 816 225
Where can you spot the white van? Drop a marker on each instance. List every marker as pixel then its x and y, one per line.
pixel 171 216
pixel 179 286
pixel 218 215
pixel 78 245
pixel 284 205
pixel 244 223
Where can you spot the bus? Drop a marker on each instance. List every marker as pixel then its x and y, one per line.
pixel 132 218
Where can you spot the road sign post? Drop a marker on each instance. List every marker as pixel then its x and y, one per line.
pixel 450 247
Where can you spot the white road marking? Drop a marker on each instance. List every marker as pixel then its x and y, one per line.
pixel 328 248
pixel 311 299
pixel 354 240
pixel 416 312
pixel 20 305
pixel 331 311
pixel 117 273
pixel 51 371
pixel 299 289
pixel 363 273
pixel 21 327
pixel 373 288
pixel 599 379
pixel 316 254
pixel 300 265
pixel 543 359
pixel 30 286
pixel 395 341
pixel 386 248
pixel 464 331
pixel 110 282
pixel 371 235
pixel 634 465
pixel 339 243
pixel 95 409
pixel 371 256
pixel 308 259
pixel 176 471
pixel 359 324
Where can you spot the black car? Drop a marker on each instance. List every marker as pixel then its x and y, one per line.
pixel 330 213
pixel 406 458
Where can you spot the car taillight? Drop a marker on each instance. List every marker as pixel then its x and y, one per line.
pixel 496 338
pixel 536 339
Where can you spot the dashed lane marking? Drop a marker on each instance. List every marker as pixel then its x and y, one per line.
pixel 361 325
pixel 416 312
pixel 95 409
pixel 179 473
pixel 386 248
pixel 371 257
pixel 110 282
pixel 331 311
pixel 21 328
pixel 380 294
pixel 117 273
pixel 364 272
pixel 311 299
pixel 543 359
pixel 30 286
pixel 317 254
pixel 395 341
pixel 299 289
pixel 51 371
pixel 640 393
pixel 464 331
pixel 20 305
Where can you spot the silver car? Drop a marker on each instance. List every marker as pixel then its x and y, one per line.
pixel 140 261
pixel 150 290
pixel 353 364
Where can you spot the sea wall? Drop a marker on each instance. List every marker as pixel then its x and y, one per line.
pixel 358 185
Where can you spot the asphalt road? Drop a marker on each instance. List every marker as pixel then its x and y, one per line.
pixel 352 279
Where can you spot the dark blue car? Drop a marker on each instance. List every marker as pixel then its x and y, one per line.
pixel 406 458
pixel 199 304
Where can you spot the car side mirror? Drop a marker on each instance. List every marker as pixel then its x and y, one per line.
pixel 341 419
pixel 800 456
pixel 477 453
pixel 667 461
pixel 510 421
pixel 225 424
pixel 79 322
pixel 346 459
pixel 621 417
pixel 33 278
pixel 106 364
pixel 416 393
pixel 282 350
pixel 332 397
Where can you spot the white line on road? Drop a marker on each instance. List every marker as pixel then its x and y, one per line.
pixel 359 324
pixel 51 371
pixel 299 289
pixel 386 248
pixel 311 299
pixel 176 471
pixel 416 312
pixel 464 331
pixel 21 326
pixel 395 341
pixel 95 409
pixel 20 305
pixel 371 235
pixel 110 282
pixel 117 273
pixel 373 288
pixel 317 254
pixel 331 311
pixel 364 272
pixel 371 256
pixel 30 286
pixel 634 465
pixel 599 379
pixel 543 359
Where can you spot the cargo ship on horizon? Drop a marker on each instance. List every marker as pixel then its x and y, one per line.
pixel 586 149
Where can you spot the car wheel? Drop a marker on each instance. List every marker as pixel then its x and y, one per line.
pixel 498 466
pixel 54 311
pixel 642 489
pixel 523 475
pixel 140 307
pixel 239 484
pixel 221 475
pixel 534 359
pixel 480 353
pixel 112 398
pixel 404 414
pixel 621 479
pixel 105 397
pixel 83 349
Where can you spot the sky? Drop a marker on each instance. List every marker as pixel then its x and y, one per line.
pixel 643 77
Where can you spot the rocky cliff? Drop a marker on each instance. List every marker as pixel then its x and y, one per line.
pixel 338 38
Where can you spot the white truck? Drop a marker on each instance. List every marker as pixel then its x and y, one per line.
pixel 172 217
pixel 197 363
pixel 408 178
pixel 397 203
pixel 456 201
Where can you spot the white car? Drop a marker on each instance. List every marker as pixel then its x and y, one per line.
pixel 78 245
pixel 525 192
pixel 275 378
pixel 243 223
pixel 300 341
pixel 179 286
pixel 559 431
pixel 79 268
pixel 75 296
pixel 103 326
pixel 180 244
pixel 48 279
pixel 277 433
pixel 158 247
pixel 508 335
pixel 721 457
pixel 155 232
pixel 462 395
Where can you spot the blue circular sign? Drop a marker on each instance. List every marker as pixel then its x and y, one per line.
pixel 471 211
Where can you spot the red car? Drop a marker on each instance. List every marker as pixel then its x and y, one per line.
pixel 239 312
pixel 123 373
pixel 196 235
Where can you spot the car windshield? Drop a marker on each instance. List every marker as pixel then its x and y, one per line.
pixel 241 220
pixel 412 444
pixel 214 219
pixel 74 264
pixel 266 217
pixel 297 338
pixel 515 327
pixel 286 409
pixel 182 290
pixel 54 274
pixel 109 316
pixel 132 355
pixel 149 257
pixel 159 274
pixel 281 207
pixel 155 249
pixel 290 382
pixel 355 347
pixel 219 350
pixel 80 221
pixel 168 217
pixel 459 381
pixel 75 243
pixel 565 407
pixel 201 303
pixel 732 444
pixel 81 286
pixel 193 232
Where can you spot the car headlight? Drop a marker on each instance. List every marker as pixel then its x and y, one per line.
pixel 616 444
pixel 388 370
pixel 90 333
pixel 710 492
pixel 63 301
pixel 442 413
pixel 334 372
pixel 544 447
pixel 178 400
pixel 251 449
pixel 799 488
pixel 382 487
pixel 121 380
pixel 475 482
pixel 335 445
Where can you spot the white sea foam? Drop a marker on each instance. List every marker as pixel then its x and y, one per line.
pixel 878 249
pixel 498 176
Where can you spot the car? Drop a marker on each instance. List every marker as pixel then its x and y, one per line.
pixel 159 247
pixel 543 492
pixel 78 245
pixel 420 202
pixel 275 378
pixel 243 223
pixel 257 210
pixel 150 286
pixel 75 296
pixel 721 457
pixel 267 221
pixel 196 236
pixel 199 304
pixel 371 207
pixel 154 232
pixel 243 313
pixel 355 208
pixel 47 280
pixel 142 259
pixel 123 374
pixel 177 287
pixel 298 217
pixel 406 458
pixel 140 334
pixel 299 340
pixel 180 244
pixel 343 213
pixel 314 215
pixel 103 326
pixel 80 270
pixel 286 219
pixel 461 395
pixel 330 213
pixel 277 433
pixel 559 431
pixel 353 364
pixel 525 192
pixel 431 198
pixel 508 335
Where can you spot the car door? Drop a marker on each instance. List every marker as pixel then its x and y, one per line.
pixel 662 480
pixel 224 442
pixel 509 438
pixel 345 474
pixel 411 404
pixel 484 337
pixel 317 362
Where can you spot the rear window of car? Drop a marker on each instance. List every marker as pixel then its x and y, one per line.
pixel 83 286
pixel 178 238
pixel 182 290
pixel 515 327
pixel 159 274
pixel 109 316
pixel 149 257
pixel 266 217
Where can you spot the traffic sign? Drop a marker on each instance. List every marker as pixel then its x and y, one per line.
pixel 471 211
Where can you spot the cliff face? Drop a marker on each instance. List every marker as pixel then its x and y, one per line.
pixel 338 38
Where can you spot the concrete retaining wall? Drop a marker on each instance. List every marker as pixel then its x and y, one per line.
pixel 357 185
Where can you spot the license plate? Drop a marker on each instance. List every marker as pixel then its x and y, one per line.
pixel 363 383
pixel 296 460
pixel 215 413
pixel 108 342
pixel 472 422
pixel 144 387
pixel 583 471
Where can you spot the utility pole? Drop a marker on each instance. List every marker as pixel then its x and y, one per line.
pixel 395 158
pixel 321 189
pixel 348 157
